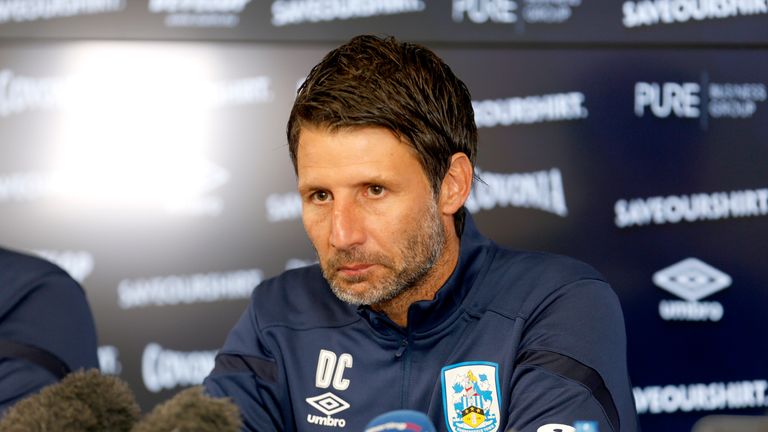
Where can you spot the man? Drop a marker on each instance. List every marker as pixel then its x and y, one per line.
pixel 46 326
pixel 410 307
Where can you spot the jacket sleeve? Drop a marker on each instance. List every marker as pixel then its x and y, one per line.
pixel 51 315
pixel 248 373
pixel 19 379
pixel 571 371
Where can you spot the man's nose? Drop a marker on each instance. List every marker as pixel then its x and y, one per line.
pixel 346 225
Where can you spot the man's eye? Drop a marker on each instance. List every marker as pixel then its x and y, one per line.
pixel 375 190
pixel 321 196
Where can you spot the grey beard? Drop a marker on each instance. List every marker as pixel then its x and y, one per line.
pixel 420 253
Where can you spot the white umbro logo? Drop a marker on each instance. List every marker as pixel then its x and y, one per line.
pixel 691 279
pixel 328 403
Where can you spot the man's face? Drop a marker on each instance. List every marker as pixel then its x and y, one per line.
pixel 369 211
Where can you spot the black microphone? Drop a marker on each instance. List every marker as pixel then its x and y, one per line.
pixel 83 401
pixel 401 420
pixel 192 410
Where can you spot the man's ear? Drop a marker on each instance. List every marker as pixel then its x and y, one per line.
pixel 457 184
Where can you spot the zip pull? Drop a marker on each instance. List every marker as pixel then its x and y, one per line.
pixel 401 349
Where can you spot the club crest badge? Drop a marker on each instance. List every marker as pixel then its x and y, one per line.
pixel 471 396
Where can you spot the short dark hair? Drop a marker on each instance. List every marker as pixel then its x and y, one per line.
pixel 404 87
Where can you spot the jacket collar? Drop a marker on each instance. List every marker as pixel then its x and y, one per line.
pixel 426 315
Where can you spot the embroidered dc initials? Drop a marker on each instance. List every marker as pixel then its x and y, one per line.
pixel 330 370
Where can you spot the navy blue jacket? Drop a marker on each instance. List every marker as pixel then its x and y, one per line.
pixel 512 340
pixel 46 326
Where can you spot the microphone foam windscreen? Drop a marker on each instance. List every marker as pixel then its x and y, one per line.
pixel 191 410
pixel 84 401
pixel 401 420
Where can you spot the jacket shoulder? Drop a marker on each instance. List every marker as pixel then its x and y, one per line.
pixel 525 279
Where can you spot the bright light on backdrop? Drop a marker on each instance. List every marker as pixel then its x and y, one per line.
pixel 135 129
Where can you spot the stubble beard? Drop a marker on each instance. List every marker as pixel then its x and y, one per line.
pixel 420 250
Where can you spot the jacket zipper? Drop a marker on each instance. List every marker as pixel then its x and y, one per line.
pixel 404 354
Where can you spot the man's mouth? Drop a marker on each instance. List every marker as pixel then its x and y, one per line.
pixel 354 269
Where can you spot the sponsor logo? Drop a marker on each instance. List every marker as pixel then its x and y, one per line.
pixel 733 100
pixel 579 426
pixel 78 264
pixel 669 98
pixel 691 208
pixel 287 12
pixel 22 11
pixel 158 190
pixel 699 100
pixel 164 369
pixel 479 12
pixel 109 360
pixel 283 206
pixel 510 11
pixel 548 11
pixel 654 12
pixel 541 190
pixel 187 289
pixel 323 403
pixel 714 396
pixel 530 109
pixel 203 177
pixel 199 13
pixel 25 186
pixel 328 403
pixel 294 263
pixel 692 280
pixel 19 94
pixel 330 373
pixel 471 397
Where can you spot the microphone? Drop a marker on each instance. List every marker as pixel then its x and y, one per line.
pixel 192 410
pixel 84 401
pixel 401 420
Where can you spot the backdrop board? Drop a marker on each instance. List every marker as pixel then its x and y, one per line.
pixel 667 199
pixel 695 22
pixel 149 160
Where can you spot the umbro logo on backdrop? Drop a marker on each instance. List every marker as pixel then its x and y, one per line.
pixel 692 280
